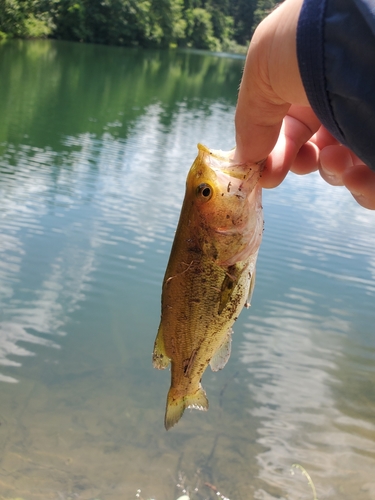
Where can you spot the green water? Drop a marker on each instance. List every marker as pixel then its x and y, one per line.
pixel 95 144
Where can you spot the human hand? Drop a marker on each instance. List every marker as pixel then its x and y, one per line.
pixel 275 121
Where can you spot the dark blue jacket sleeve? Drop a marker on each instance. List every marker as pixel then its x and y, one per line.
pixel 336 57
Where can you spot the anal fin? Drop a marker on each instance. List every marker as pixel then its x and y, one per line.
pixel 159 358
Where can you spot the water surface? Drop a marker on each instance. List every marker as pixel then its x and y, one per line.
pixel 95 144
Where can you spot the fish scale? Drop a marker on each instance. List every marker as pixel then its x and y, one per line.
pixel 209 276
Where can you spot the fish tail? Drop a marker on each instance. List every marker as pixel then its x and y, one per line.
pixel 176 405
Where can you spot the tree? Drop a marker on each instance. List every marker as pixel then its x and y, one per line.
pixel 167 23
pixel 200 33
pixel 242 12
pixel 222 25
pixel 69 18
pixel 23 19
pixel 204 24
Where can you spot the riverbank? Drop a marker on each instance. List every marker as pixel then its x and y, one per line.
pixel 207 24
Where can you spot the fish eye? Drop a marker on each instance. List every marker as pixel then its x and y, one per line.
pixel 204 191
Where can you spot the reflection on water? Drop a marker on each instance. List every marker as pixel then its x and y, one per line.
pixel 92 172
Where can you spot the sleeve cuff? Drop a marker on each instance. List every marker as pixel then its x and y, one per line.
pixel 310 55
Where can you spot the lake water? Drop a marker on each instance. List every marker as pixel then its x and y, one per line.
pixel 95 145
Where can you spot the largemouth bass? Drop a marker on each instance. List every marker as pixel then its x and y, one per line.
pixel 210 274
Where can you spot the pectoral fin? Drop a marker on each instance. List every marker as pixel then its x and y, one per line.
pixel 251 289
pixel 159 358
pixel 221 356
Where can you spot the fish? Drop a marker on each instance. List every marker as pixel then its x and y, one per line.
pixel 210 274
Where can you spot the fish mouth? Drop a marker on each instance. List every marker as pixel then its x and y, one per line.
pixel 248 173
pixel 219 167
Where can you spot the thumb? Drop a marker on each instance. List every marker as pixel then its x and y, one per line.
pixel 270 84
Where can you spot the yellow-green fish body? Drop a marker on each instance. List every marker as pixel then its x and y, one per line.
pixel 210 274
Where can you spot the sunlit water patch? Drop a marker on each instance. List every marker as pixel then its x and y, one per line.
pixel 93 162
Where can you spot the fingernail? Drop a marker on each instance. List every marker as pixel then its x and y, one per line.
pixel 331 178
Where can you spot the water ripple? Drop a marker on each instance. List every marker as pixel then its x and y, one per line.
pixel 317 263
pixel 102 202
pixel 86 227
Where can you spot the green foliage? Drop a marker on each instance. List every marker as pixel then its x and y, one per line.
pixel 167 24
pixel 69 19
pixel 200 33
pixel 204 24
pixel 242 12
pixel 23 19
pixel 222 24
pixel 37 27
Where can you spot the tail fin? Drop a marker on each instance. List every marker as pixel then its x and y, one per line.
pixel 176 405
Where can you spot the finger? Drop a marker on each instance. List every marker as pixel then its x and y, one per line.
pixel 293 135
pixel 307 159
pixel 334 160
pixel 337 169
pixel 360 181
pixel 322 138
